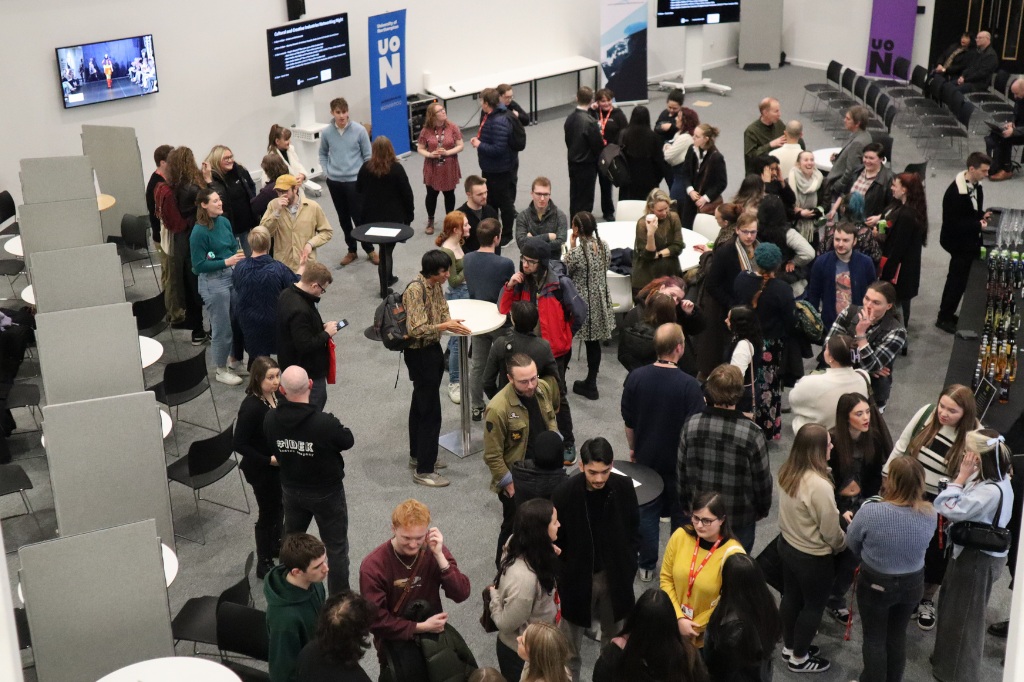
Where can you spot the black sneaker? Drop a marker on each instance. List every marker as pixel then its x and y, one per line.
pixel 199 338
pixel 263 567
pixel 478 414
pixel 813 664
pixel 842 614
pixel 947 326
pixel 812 650
pixel 926 614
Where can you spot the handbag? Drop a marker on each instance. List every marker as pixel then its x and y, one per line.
pixel 332 361
pixel 770 563
pixel 486 621
pixel 710 207
pixel 881 267
pixel 986 537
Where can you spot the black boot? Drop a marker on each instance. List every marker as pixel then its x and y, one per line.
pixel 587 389
pixel 264 552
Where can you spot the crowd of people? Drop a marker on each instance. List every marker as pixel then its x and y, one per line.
pixel 801 260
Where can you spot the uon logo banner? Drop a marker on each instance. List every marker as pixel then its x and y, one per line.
pixel 389 110
pixel 892 35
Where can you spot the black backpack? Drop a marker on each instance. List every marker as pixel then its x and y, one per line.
pixel 517 140
pixel 389 321
pixel 612 164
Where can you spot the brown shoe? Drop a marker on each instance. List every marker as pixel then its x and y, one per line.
pixel 373 257
pixel 1001 175
pixel 430 227
pixel 349 258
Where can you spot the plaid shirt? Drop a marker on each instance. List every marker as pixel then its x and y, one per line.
pixel 724 451
pixel 885 338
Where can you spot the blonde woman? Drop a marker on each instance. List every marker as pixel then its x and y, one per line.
pixel 659 241
pixel 233 183
pixel 546 651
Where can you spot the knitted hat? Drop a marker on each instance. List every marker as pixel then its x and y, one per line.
pixel 537 249
pixel 286 182
pixel 548 450
pixel 768 257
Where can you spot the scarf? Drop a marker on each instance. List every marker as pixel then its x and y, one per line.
pixel 956 53
pixel 805 187
pixel 745 263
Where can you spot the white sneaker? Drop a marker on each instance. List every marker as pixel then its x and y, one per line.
pixel 455 393
pixel 226 376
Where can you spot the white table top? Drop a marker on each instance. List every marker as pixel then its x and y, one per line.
pixel 13 246
pixel 621 234
pixel 28 295
pixel 520 74
pixel 173 669
pixel 480 316
pixel 151 350
pixel 823 157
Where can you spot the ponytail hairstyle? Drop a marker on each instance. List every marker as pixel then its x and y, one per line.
pixel 710 132
pixel 453 223
pixel 993 452
pixel 277 132
pixel 841 348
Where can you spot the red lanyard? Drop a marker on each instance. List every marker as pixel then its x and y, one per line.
pixel 481 128
pixel 693 562
pixel 603 120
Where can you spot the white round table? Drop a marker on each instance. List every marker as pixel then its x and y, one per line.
pixel 823 157
pixel 151 350
pixel 480 317
pixel 173 669
pixel 621 234
pixel 28 295
pixel 13 246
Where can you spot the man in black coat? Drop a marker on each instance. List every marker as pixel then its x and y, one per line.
pixel 981 64
pixel 963 216
pixel 595 580
pixel 584 143
pixel 999 144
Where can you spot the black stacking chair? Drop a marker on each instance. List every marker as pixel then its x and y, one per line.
pixel 197 620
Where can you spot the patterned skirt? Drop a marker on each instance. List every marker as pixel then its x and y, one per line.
pixel 768 389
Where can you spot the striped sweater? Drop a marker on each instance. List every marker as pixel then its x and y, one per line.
pixel 932 456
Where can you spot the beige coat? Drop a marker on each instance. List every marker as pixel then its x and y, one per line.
pixel 291 234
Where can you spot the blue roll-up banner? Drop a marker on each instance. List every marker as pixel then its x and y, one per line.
pixel 389 110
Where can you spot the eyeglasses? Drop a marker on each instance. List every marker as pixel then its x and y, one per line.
pixel 542 195
pixel 748 233
pixel 323 289
pixel 529 261
pixel 698 521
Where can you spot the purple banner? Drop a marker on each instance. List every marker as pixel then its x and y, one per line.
pixel 892 35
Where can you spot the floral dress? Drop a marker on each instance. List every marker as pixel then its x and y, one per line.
pixel 441 174
pixel 588 268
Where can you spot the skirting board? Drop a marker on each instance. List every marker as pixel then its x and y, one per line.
pixel 678 75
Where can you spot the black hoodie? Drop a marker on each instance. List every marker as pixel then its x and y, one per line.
pixel 308 445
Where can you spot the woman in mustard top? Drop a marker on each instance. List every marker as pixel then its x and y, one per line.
pixel 691 572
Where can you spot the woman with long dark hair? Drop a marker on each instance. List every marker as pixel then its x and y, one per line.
pixel 906 234
pixel 279 144
pixel 936 436
pixel 386 195
pixel 703 177
pixel 810 536
pixel 745 351
pixel 750 193
pixel 745 628
pixel 644 157
pixel 587 262
pixel 891 573
pixel 650 648
pixel 526 580
pixel 691 572
pixel 439 144
pixel 259 465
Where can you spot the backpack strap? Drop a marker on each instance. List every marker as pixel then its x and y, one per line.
pixel 919 426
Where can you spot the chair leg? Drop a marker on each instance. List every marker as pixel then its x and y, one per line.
pixel 202 532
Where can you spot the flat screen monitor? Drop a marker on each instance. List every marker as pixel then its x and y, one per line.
pixel 697 12
pixel 308 53
pixel 102 72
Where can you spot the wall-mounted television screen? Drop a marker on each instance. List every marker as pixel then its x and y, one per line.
pixel 101 72
pixel 308 53
pixel 686 12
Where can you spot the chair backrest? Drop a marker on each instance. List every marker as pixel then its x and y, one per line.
pixel 1002 81
pixel 919 77
pixel 859 87
pixel 889 117
pixel 833 72
pixel 706 226
pixel 243 630
pixel 882 104
pixel 135 231
pixel 920 168
pixel 21 625
pixel 886 141
pixel 901 69
pixel 871 95
pixel 150 315
pixel 629 209
pixel 620 292
pixel 240 593
pixel 209 454
pixel 185 379
pixel 847 80
pixel 7 208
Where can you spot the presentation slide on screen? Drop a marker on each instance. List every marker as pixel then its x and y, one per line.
pixel 683 12
pixel 307 54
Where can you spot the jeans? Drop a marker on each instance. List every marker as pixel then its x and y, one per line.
pixel 886 603
pixel 449 202
pixel 318 394
pixel 215 288
pixel 330 510
pixel 349 206
pixel 666 504
pixel 481 349
pixel 426 368
pixel 509 663
pixel 956 284
pixel 564 417
pixel 745 536
pixel 454 294
pixel 601 611
pixel 807 580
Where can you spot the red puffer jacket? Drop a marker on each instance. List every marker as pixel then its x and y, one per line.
pixel 554 327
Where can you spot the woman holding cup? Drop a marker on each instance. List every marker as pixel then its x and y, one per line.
pixel 659 241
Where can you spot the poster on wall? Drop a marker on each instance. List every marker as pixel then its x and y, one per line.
pixel 892 35
pixel 389 112
pixel 624 49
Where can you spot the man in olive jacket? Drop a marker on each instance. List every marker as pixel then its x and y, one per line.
pixel 514 418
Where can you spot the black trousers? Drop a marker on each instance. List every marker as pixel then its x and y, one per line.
pixel 501 195
pixel 807 580
pixel 270 507
pixel 564 416
pixel 449 202
pixel 1000 148
pixel 581 187
pixel 190 282
pixel 956 284
pixel 607 198
pixel 426 369
pixel 349 206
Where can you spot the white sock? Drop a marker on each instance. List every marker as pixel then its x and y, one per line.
pixel 794 661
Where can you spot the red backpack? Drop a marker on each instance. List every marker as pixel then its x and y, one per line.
pixel 167 209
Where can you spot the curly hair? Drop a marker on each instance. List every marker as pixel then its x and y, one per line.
pixel 182 168
pixel 343 628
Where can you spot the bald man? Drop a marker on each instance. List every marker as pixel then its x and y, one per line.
pixel 308 444
pixel 764 134
pixel 1000 144
pixel 981 64
pixel 790 150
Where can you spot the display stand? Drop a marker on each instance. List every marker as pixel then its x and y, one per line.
pixel 693 76
pixel 307 130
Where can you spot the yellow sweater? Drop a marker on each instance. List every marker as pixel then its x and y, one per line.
pixel 675 576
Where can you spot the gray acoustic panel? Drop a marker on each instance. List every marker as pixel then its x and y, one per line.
pixel 107 467
pixel 89 353
pixel 114 152
pixel 60 225
pixel 10 661
pixel 57 178
pixel 76 278
pixel 96 602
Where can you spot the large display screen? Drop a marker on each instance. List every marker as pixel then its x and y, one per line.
pixel 308 53
pixel 106 71
pixel 686 12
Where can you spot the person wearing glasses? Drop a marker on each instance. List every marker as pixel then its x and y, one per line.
pixel 542 219
pixel 298 225
pixel 303 338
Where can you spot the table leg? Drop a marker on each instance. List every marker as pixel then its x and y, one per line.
pixel 383 268
pixel 461 443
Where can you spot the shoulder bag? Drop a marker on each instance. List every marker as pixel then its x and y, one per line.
pixel 486 621
pixel 986 537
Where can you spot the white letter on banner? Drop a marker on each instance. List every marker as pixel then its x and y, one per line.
pixel 382 47
pixel 390 70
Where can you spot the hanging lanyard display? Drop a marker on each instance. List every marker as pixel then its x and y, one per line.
pixel 693 562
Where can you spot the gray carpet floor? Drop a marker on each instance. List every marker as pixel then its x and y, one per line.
pixel 366 399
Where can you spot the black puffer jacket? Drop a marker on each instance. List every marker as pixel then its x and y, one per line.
pixel 531 482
